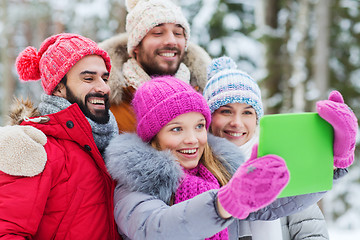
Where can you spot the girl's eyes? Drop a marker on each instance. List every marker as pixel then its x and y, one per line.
pixel 176 129
pixel 225 111
pixel 248 112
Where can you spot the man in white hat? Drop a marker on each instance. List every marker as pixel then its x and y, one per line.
pixel 156 42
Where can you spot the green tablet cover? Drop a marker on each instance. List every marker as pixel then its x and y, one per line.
pixel 305 142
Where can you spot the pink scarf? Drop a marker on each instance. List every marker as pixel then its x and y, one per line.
pixel 195 182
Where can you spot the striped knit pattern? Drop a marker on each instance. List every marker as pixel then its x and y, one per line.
pixel 146 14
pixel 226 84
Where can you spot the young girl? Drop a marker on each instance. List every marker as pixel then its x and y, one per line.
pixel 173 185
pixel 235 102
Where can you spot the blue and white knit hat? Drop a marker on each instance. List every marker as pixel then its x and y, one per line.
pixel 227 84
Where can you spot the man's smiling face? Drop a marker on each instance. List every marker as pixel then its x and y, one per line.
pixel 87 86
pixel 162 49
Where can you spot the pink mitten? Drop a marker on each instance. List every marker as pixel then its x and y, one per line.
pixel 255 184
pixel 345 125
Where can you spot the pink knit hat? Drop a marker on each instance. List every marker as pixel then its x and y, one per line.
pixel 57 54
pixel 162 99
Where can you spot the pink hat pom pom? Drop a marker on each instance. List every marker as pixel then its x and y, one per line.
pixel 27 64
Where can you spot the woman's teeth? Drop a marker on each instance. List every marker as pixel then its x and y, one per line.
pixel 188 151
pixel 235 134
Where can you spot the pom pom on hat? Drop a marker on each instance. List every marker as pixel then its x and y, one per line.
pixel 27 64
pixel 162 99
pixel 130 4
pixel 219 65
pixel 56 56
pixel 227 84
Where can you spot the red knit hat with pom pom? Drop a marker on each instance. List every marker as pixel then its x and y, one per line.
pixel 57 54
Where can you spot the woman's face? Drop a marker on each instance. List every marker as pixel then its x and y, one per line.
pixel 235 121
pixel 185 136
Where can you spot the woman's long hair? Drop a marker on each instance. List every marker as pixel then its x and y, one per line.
pixel 209 160
pixel 215 166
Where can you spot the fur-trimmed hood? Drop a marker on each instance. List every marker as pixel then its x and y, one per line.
pixel 20 109
pixel 21 147
pixel 196 59
pixel 139 167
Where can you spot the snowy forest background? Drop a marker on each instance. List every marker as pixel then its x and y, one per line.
pixel 297 50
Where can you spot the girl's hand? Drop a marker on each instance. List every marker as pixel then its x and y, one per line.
pixel 345 125
pixel 255 184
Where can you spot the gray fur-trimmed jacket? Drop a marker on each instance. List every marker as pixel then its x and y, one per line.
pixel 146 180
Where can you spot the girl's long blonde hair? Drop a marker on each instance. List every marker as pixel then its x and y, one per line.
pixel 215 166
pixel 209 160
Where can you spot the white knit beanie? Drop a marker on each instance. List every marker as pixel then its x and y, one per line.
pixel 144 15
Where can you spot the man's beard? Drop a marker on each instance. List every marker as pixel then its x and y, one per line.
pixel 153 69
pixel 103 115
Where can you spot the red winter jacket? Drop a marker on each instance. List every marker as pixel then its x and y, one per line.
pixel 72 198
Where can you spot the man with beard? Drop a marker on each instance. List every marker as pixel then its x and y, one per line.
pixel 53 180
pixel 156 42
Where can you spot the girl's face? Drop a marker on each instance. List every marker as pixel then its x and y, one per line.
pixel 235 121
pixel 185 136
